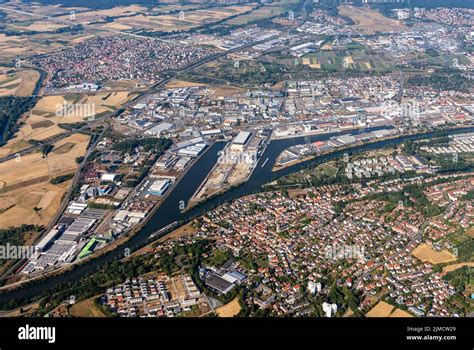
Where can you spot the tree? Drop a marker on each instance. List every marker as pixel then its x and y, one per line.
pixel 46 149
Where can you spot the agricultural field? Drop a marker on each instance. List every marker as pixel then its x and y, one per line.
pixel 178 7
pixel 43 121
pixel 21 47
pixel 89 16
pixel 425 253
pixel 342 60
pixel 260 13
pixel 81 38
pixel 370 21
pixel 18 83
pixel 37 26
pixel 40 10
pixel 28 197
pixel 12 46
pixel 173 22
pixel 383 309
pixel 20 44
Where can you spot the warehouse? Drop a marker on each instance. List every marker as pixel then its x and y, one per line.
pixel 159 187
pixel 159 129
pixel 108 177
pixel 346 139
pixel 188 143
pixel 240 141
pixel 46 240
pixel 242 138
pixel 76 208
pixel 192 151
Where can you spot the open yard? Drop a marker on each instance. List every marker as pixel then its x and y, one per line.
pixel 184 230
pixel 230 309
pixel 181 84
pixel 86 308
pixel 453 267
pixel 382 309
pixel 227 90
pixel 425 253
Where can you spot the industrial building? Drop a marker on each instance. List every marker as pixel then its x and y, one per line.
pixel 159 187
pixel 76 208
pixel 159 129
pixel 192 151
pixel 211 132
pixel 46 240
pixel 240 141
pixel 234 277
pixel 108 177
pixel 242 138
pixel 218 284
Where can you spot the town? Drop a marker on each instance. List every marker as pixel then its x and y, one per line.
pixel 237 158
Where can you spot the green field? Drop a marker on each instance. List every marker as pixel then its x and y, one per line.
pixel 328 169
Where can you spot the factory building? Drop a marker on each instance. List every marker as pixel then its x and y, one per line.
pixel 159 187
pixel 240 141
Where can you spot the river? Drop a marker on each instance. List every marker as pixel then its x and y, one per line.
pixel 169 211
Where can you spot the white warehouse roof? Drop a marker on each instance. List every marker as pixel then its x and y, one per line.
pixel 242 137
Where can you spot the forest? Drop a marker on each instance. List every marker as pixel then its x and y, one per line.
pixel 11 109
